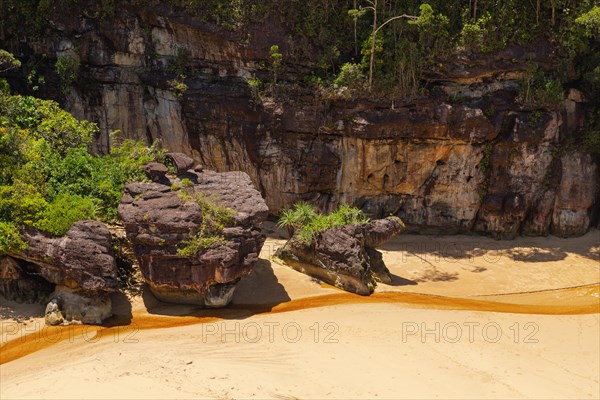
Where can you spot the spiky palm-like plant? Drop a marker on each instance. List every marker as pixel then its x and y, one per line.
pixel 299 215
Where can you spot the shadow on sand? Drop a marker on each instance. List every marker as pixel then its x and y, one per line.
pixel 20 311
pixel 523 249
pixel 122 310
pixel 399 281
pixel 257 293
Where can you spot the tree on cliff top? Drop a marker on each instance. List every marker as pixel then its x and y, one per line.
pixel 376 28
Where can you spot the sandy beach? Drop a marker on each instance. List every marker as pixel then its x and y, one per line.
pixel 465 317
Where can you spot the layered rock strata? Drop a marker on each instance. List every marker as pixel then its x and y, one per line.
pixel 467 158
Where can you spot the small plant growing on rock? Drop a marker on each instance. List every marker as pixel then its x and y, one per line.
pixel 256 89
pixel 296 217
pixel 178 87
pixel 186 183
pixel 214 219
pixel 67 68
pixel 304 219
pixel 276 61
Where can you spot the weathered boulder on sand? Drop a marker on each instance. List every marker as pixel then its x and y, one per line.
pixel 344 256
pixel 79 267
pixel 158 218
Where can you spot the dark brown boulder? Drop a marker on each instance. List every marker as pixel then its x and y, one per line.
pixel 83 259
pixel 344 256
pixel 157 220
pixel 80 264
pixel 156 172
pixel 181 162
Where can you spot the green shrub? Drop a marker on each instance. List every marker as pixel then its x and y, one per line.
pixel 48 178
pixel 186 183
pixel 21 203
pixel 179 62
pixel 307 221
pixel 276 60
pixel 296 217
pixel 539 90
pixel 434 37
pixel 214 219
pixel 178 87
pixel 484 34
pixel 256 89
pixel 67 69
pixel 64 211
pixel 591 22
pixel 44 119
pixel 8 61
pixel 10 240
pixel 350 76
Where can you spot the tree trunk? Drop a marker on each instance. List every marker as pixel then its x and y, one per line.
pixel 373 45
pixel 553 12
pixel 355 39
pixel 475 10
pixel 537 12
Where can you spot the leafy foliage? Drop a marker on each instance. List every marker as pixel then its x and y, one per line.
pixel 67 68
pixel 538 89
pixel 48 178
pixel 256 87
pixel 276 59
pixel 307 221
pixel 44 119
pixel 214 219
pixel 591 22
pixel 178 87
pixel 64 211
pixel 299 215
pixel 10 241
pixel 8 61
pixel 350 76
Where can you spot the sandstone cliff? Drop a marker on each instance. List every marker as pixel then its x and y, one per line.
pixel 468 159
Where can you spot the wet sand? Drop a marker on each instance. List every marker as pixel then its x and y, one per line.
pixel 465 317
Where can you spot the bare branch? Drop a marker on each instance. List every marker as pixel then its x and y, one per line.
pixel 397 17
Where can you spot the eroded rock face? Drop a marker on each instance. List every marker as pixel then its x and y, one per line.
pixel 345 256
pixel 481 164
pixel 83 306
pixel 82 259
pixel 18 285
pixel 157 220
pixel 576 194
pixel 79 268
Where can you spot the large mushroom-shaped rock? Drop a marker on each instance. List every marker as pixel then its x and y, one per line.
pixel 159 219
pixel 344 256
pixel 80 264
